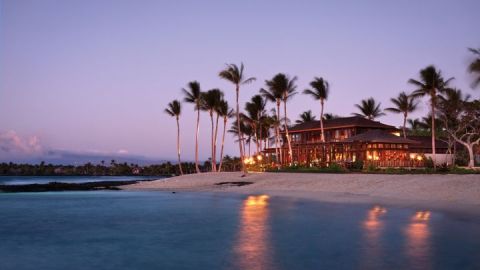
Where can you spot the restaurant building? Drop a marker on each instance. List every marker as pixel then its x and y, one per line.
pixel 350 139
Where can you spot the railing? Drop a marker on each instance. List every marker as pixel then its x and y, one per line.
pixel 395 163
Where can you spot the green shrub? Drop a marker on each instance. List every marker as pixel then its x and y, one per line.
pixel 357 165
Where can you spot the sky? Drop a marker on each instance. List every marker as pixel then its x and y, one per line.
pixel 94 77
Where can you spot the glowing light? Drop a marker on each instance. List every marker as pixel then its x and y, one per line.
pixel 422 216
pixel 369 157
pixel 396 134
pixel 419 158
pixel 413 156
pixel 259 157
pixel 260 200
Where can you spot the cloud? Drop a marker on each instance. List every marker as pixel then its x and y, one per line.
pixel 14 145
pixel 122 152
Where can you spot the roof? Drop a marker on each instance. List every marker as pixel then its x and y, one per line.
pixel 379 136
pixel 426 142
pixel 354 121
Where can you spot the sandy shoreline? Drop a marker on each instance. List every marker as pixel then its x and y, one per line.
pixel 448 192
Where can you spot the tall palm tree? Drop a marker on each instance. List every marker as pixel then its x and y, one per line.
pixel 319 91
pixel 404 104
pixel 255 110
pixel 369 108
pixel 431 83
pixel 329 116
pixel 235 75
pixel 225 112
pixel 474 66
pixel 275 96
pixel 174 109
pixel 194 95
pixel 211 100
pixel 285 87
pixel 305 117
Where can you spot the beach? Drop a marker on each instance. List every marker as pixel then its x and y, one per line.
pixel 448 192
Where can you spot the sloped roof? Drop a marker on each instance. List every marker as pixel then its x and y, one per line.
pixel 379 136
pixel 354 121
pixel 426 142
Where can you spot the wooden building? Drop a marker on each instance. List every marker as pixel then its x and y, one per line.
pixel 347 140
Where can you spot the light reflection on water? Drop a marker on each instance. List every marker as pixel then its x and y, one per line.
pixel 418 240
pixel 373 227
pixel 253 247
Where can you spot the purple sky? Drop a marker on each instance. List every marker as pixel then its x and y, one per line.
pixel 95 76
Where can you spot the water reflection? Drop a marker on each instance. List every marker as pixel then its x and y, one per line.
pixel 418 240
pixel 253 249
pixel 373 227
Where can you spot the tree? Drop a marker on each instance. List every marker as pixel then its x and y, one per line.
pixel 194 95
pixel 211 100
pixel 430 83
pixel 369 109
pixel 225 112
pixel 403 104
pixel 450 110
pixel 275 96
pixel 174 109
pixel 255 110
pixel 305 117
pixel 467 131
pixel 235 75
pixel 320 90
pixel 282 88
pixel 474 67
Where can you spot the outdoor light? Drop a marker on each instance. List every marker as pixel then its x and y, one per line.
pixel 259 157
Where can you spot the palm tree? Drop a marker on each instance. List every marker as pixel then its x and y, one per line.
pixel 474 67
pixel 225 112
pixel 404 104
pixel 174 109
pixel 211 100
pixel 234 74
pixel 282 88
pixel 194 95
pixel 305 117
pixel 431 83
pixel 276 97
pixel 319 91
pixel 329 116
pixel 255 110
pixel 369 109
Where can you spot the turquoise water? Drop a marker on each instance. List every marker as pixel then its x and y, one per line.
pixel 158 230
pixel 23 180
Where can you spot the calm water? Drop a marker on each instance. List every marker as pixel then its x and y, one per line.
pixel 23 180
pixel 155 230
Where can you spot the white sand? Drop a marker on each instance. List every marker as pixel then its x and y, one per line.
pixel 457 192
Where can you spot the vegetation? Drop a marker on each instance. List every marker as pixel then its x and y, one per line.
pixel 175 109
pixel 319 91
pixel 453 117
pixel 431 84
pixel 403 104
pixel 306 117
pixel 369 108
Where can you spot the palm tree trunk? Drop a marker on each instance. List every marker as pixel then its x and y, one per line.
pixel 244 169
pixel 278 133
pixel 290 153
pixel 223 141
pixel 215 144
pixel 405 125
pixel 433 136
pixel 196 140
pixel 212 134
pixel 322 138
pixel 178 147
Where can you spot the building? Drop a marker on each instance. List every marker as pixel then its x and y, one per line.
pixel 347 140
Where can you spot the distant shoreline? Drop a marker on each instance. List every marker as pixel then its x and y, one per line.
pixel 447 192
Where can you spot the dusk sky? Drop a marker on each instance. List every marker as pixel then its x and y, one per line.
pixel 95 76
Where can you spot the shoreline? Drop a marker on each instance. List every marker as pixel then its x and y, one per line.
pixel 458 193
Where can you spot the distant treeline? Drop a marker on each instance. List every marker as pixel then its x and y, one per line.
pixel 111 169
